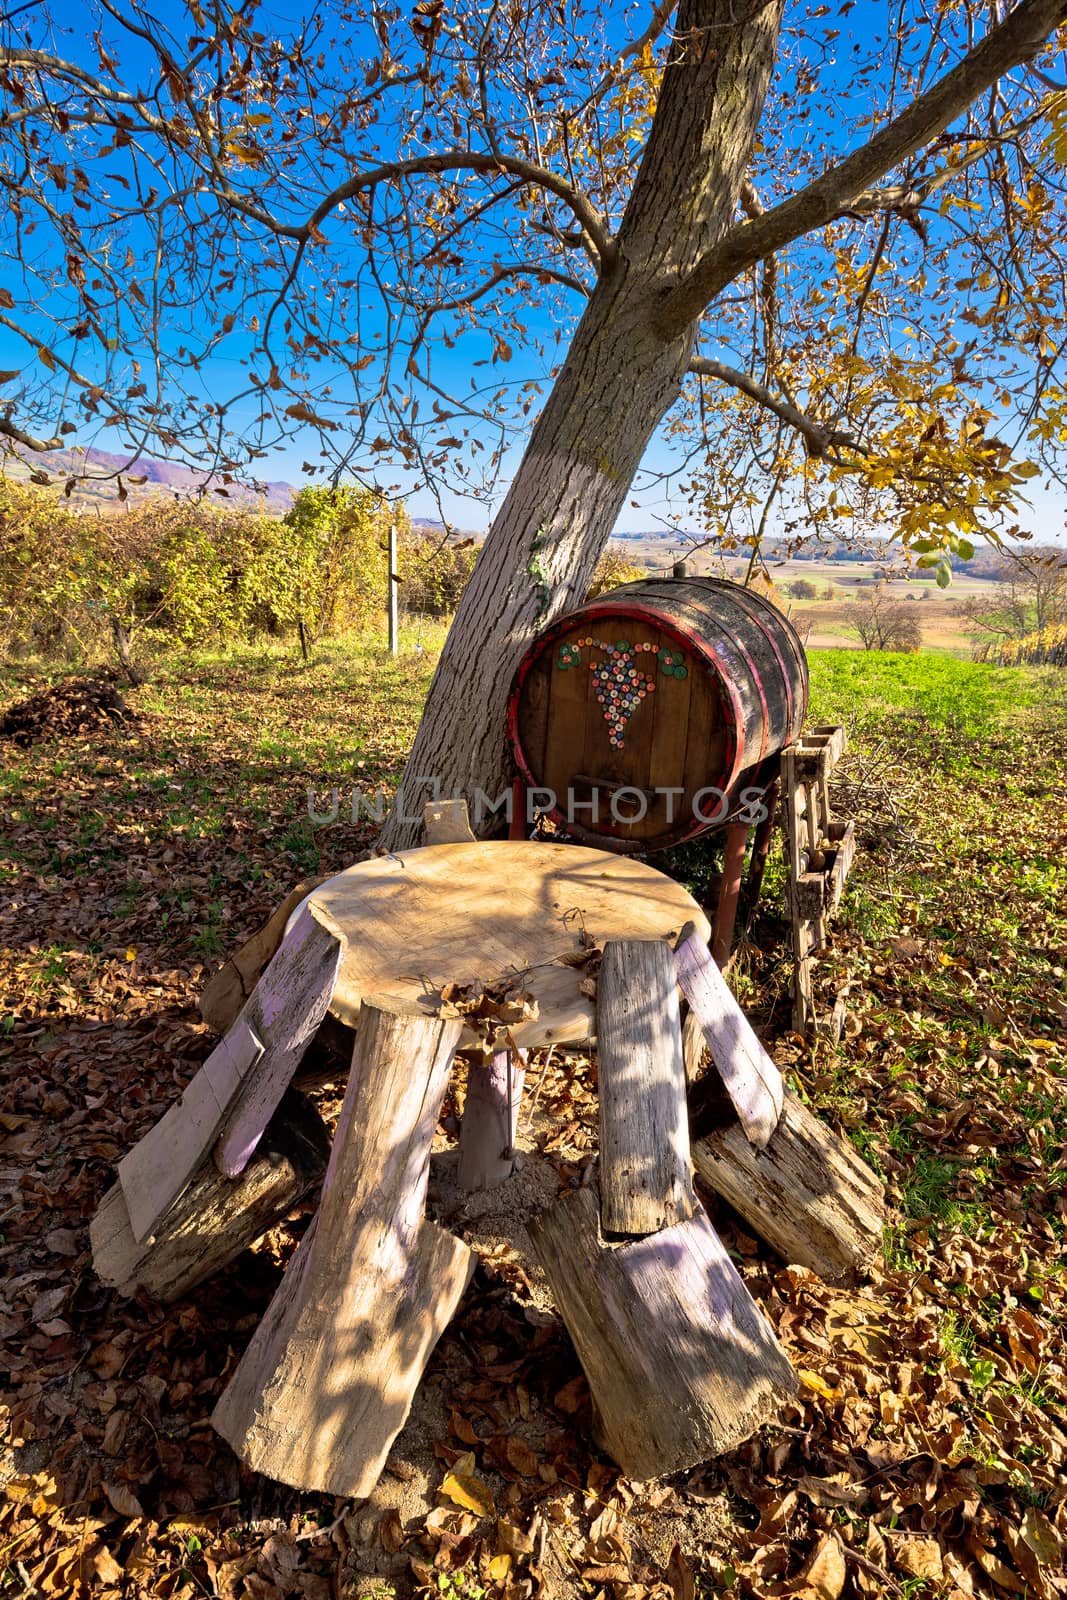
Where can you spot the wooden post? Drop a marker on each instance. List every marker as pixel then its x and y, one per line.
pixel 752 1080
pixel 227 989
pixel 446 822
pixel 808 1193
pixel 240 1085
pixel 646 1179
pixel 490 1122
pixel 761 845
pixel 328 1379
pixel 394 631
pixel 681 1362
pixel 215 1218
pixel 733 866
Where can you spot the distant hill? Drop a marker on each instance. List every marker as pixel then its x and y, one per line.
pixel 147 479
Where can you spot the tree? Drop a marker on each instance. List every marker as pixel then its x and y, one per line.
pixel 1028 594
pixel 883 623
pixel 803 589
pixel 879 294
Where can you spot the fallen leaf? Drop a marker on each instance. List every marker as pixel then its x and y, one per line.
pixel 520 1456
pixel 391 1531
pixel 1040 1536
pixel 470 1493
pixel 918 1557
pixel 816 1385
pixel 824 1576
pixel 106 1567
pixel 680 1575
pixel 122 1501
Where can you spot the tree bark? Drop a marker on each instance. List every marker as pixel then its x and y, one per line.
pixel 619 379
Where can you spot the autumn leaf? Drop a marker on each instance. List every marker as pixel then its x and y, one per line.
pixel 470 1493
pixel 122 1501
pixel 1041 1537
pixel 824 1576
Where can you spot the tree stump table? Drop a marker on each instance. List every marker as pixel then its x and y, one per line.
pixel 487 946
pixel 458 913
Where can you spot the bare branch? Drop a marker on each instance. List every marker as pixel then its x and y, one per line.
pixel 11 430
pixel 842 187
pixel 818 441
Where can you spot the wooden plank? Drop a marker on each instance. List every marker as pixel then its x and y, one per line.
pixel 751 1079
pixel 214 1218
pixel 645 1174
pixel 227 990
pixel 490 1122
pixel 288 1006
pixel 681 1362
pixel 845 844
pixel 446 822
pixel 808 1193
pixel 240 1085
pixel 328 1379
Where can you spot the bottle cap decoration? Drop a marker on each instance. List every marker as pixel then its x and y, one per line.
pixel 618 683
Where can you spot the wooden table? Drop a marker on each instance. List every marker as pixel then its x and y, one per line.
pixel 460 913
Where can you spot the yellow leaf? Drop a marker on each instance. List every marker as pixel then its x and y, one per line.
pixel 815 1385
pixel 1041 1537
pixel 499 1568
pixel 131 954
pixel 1041 1044
pixel 470 1493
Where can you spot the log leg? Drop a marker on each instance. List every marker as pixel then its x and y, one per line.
pixel 215 1218
pixel 752 1080
pixel 490 1122
pixel 808 1193
pixel 681 1362
pixel 328 1379
pixel 733 866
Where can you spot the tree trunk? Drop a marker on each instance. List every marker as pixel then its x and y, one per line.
pixel 121 641
pixel 617 383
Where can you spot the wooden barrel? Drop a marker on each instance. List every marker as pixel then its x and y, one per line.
pixel 646 712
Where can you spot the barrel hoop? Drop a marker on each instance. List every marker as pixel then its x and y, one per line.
pixel 768 634
pixel 652 619
pixel 756 609
pixel 798 712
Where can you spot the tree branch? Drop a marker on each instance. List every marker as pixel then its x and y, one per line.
pixel 589 219
pixel 818 441
pixel 844 186
pixel 11 430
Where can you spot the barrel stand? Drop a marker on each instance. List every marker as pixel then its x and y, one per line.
pixel 819 854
